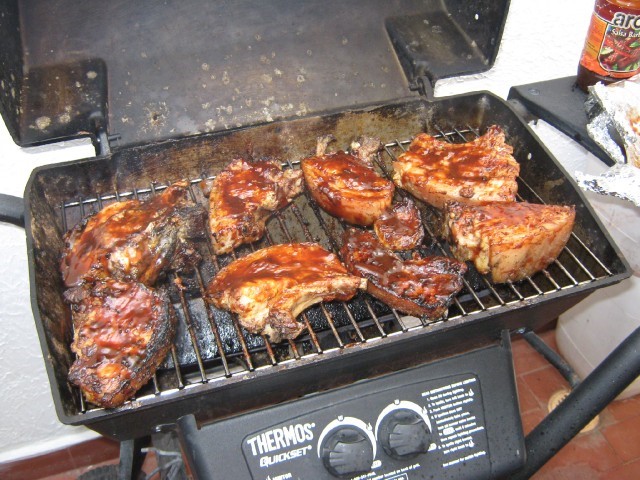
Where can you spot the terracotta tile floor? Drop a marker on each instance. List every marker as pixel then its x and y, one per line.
pixel 611 451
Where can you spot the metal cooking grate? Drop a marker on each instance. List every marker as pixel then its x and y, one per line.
pixel 211 345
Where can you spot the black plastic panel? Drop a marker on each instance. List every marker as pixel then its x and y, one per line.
pixel 560 103
pixel 468 402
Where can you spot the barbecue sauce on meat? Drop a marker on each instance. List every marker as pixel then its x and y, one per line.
pixel 437 171
pixel 131 239
pixel 121 320
pixel 249 183
pixel 418 286
pixel 346 185
pixel 270 287
pixel 291 266
pixel 122 327
pixel 243 197
pixel 509 241
pixel 123 331
pixel 400 228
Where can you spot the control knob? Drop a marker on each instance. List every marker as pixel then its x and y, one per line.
pixel 346 448
pixel 404 432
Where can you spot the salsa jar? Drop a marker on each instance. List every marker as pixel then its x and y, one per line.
pixel 612 48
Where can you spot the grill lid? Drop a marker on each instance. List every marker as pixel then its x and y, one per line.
pixel 173 69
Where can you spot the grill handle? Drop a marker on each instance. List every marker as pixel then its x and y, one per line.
pixel 12 210
pixel 596 391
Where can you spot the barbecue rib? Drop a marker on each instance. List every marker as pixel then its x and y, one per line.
pixel 269 288
pixel 122 327
pixel 122 333
pixel 133 240
pixel 479 171
pixel 346 185
pixel 508 240
pixel 400 227
pixel 419 286
pixel 244 196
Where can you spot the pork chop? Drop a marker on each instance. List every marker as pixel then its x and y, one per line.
pixel 509 241
pixel 122 333
pixel 479 171
pixel 244 196
pixel 270 287
pixel 421 286
pixel 346 185
pixel 134 239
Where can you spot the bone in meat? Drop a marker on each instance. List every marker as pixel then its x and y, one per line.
pixel 479 171
pixel 421 286
pixel 270 287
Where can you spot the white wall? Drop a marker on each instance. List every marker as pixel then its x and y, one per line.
pixel 542 40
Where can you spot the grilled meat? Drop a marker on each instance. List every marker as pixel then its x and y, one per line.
pixel 479 171
pixel 122 333
pixel 346 185
pixel 510 241
pixel 134 240
pixel 419 286
pixel 400 227
pixel 244 196
pixel 269 288
pixel 122 327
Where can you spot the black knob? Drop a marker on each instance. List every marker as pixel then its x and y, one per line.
pixel 403 433
pixel 347 451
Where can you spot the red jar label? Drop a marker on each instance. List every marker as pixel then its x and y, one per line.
pixel 612 47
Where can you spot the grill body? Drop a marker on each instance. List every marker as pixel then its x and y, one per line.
pixel 216 369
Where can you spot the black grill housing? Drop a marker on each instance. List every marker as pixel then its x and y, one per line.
pixel 216 369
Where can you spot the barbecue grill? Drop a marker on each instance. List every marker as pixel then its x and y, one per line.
pixel 284 75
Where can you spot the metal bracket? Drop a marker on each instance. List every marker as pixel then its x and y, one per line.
pixel 102 140
pixel 423 86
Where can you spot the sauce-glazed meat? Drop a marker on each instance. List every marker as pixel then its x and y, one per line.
pixel 122 326
pixel 400 227
pixel 346 184
pixel 419 286
pixel 436 171
pixel 122 333
pixel 244 196
pixel 269 288
pixel 133 239
pixel 510 241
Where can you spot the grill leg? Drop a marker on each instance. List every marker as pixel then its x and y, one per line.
pixel 131 458
pixel 552 357
pixel 594 393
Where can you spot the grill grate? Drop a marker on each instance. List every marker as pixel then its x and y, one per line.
pixel 212 346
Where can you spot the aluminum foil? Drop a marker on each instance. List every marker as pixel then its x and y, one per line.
pixel 614 112
pixel 622 181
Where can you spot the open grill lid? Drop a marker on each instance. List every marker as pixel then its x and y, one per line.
pixel 140 72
